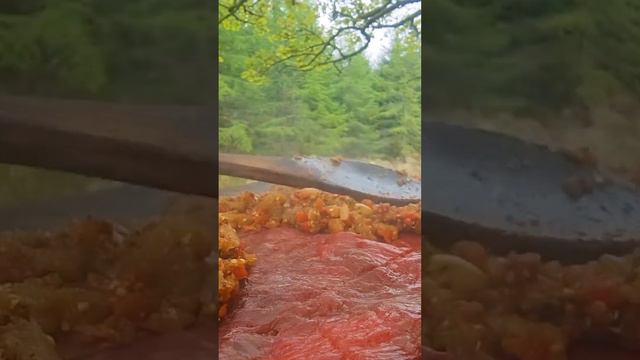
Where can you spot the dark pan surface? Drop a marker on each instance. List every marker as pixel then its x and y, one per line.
pixel 512 194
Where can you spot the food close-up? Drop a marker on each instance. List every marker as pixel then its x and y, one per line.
pixel 306 273
pixel 531 193
pixel 95 286
pixel 518 267
pixel 519 306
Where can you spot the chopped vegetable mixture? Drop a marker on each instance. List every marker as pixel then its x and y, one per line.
pixel 309 210
pixel 480 306
pixel 101 284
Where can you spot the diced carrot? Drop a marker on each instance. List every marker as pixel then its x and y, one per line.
pixel 301 216
pixel 240 272
pixel 222 312
pixel 344 212
pixel 389 233
pixel 335 226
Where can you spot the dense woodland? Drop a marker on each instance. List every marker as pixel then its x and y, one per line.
pixel 358 112
pixel 160 51
pixel 354 109
pixel 562 72
pixel 149 51
pixel 566 65
pixel 143 51
pixel 536 58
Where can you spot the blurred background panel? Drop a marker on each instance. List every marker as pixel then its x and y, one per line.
pixel 563 73
pixel 154 53
pixel 560 73
pixel 137 52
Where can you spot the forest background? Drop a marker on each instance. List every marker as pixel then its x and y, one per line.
pixel 160 51
pixel 565 73
pixel 562 72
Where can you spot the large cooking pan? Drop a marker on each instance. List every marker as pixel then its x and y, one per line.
pixel 584 351
pixel 132 204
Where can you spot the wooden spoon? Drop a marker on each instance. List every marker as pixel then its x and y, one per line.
pixel 508 194
pixel 166 147
pixel 354 178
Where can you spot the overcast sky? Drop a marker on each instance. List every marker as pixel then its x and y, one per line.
pixel 381 39
pixel 380 44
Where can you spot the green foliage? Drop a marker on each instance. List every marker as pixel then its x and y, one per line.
pixel 399 117
pixel 532 58
pixel 235 138
pixel 20 184
pixel 359 112
pixel 138 51
pixel 50 51
pixel 274 98
pixel 146 51
pixel 295 39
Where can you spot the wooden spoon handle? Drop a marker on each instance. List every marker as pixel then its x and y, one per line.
pixel 271 169
pixel 347 177
pixel 171 148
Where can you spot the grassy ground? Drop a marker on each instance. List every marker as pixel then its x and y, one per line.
pixel 229 181
pixel 20 184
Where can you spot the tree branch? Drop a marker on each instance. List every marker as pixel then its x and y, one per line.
pixel 328 50
pixel 231 10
